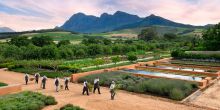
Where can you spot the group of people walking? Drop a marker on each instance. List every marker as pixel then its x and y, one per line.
pixel 66 82
pixel 97 87
pixel 44 80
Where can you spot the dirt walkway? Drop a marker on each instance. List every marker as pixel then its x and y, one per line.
pixel 210 97
pixel 124 100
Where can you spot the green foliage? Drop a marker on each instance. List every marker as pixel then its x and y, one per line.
pixel 181 54
pixel 42 41
pixel 25 101
pixel 176 94
pixel 115 59
pixel 170 36
pixel 63 42
pixel 70 107
pixel 20 41
pixel 173 89
pixel 3 84
pixel 211 38
pixel 99 61
pixel 55 74
pixel 131 57
pixel 148 34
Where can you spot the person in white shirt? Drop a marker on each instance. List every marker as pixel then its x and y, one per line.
pixel 112 90
pixel 96 85
pixel 57 83
pixel 37 76
pixel 44 79
pixel 85 88
pixel 26 77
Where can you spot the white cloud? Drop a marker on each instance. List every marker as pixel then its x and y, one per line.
pixel 197 12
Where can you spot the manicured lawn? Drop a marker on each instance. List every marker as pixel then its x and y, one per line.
pixel 3 84
pixel 25 101
pixel 173 89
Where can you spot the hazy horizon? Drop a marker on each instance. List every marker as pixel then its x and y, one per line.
pixel 23 15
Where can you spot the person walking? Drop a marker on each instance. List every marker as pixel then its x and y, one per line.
pixel 96 85
pixel 85 88
pixel 26 78
pixel 37 76
pixel 66 82
pixel 44 79
pixel 112 90
pixel 57 83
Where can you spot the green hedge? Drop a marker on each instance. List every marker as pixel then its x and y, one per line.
pixel 181 54
pixel 173 89
pixel 70 107
pixel 55 74
pixel 25 101
pixel 3 84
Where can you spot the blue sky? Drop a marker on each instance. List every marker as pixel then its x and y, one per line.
pixel 37 14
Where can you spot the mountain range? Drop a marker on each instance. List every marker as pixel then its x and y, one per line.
pixel 83 23
pixel 6 29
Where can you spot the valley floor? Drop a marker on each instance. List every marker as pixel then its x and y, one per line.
pixel 124 100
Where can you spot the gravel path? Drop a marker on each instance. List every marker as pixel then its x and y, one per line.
pixel 210 97
pixel 124 100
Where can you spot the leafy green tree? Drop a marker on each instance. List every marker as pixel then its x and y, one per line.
pixel 95 49
pixel 131 57
pixel 211 38
pixel 148 34
pixel 170 36
pixel 42 41
pixel 107 41
pixel 63 42
pixel 12 51
pixel 107 50
pixel 65 52
pixel 20 41
pixel 115 59
pixel 31 52
pixel 49 52
pixel 80 53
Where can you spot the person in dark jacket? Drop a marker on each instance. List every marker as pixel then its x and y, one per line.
pixel 66 82
pixel 44 79
pixel 96 85
pixel 85 88
pixel 57 83
pixel 26 77
pixel 37 76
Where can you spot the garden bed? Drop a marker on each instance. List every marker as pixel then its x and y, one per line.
pixel 173 89
pixel 25 101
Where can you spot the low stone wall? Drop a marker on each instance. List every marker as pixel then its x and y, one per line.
pixel 178 71
pixel 10 89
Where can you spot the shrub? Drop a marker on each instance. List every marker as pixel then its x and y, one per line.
pixel 50 100
pixel 176 94
pixel 70 107
pixel 3 84
pixel 25 101
pixel 54 74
